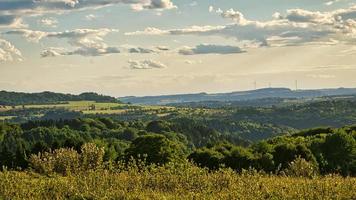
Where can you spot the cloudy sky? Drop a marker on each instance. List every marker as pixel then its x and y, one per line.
pixel 151 47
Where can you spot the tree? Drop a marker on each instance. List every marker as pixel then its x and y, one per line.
pixel 285 153
pixel 239 158
pixel 158 127
pixel 129 134
pixel 206 158
pixel 156 149
pixel 13 151
pixel 339 150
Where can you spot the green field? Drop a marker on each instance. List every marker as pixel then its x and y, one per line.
pixel 88 107
pixel 2 118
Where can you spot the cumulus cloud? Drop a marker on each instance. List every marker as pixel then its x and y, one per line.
pixel 29 35
pixel 49 22
pixel 9 52
pixel 163 48
pixel 138 50
pixel 297 27
pixel 12 11
pixel 210 49
pixel 190 30
pixel 87 42
pixel 11 21
pixel 154 4
pixel 52 52
pixel 146 64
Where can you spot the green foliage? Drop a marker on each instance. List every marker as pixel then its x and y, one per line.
pixel 339 150
pixel 207 158
pixel 17 98
pixel 155 149
pixel 331 150
pixel 68 161
pixel 91 156
pixel 158 127
pixel 62 161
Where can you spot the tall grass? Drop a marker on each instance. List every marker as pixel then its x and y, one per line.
pixel 172 181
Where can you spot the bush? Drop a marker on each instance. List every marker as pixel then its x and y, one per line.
pixel 301 168
pixel 91 156
pixel 62 161
pixel 68 161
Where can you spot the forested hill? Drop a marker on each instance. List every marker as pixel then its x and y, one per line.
pixel 19 98
pixel 238 96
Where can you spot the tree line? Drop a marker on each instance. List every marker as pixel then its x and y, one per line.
pixel 327 150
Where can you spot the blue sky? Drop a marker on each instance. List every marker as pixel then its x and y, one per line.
pixel 149 47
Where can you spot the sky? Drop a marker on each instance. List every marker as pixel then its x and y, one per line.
pixel 155 47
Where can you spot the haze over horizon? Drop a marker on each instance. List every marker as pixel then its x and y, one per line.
pixel 157 47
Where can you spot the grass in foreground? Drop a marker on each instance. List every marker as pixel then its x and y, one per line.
pixel 174 181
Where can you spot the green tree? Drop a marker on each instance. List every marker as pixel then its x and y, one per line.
pixel 339 151
pixel 156 148
pixel 207 158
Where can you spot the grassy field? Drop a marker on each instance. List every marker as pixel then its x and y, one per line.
pixel 2 118
pixel 90 107
pixel 75 105
pixel 172 182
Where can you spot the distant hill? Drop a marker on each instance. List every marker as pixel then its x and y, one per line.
pixel 19 98
pixel 238 96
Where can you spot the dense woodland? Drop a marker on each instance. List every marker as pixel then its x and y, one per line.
pixel 17 98
pixel 328 150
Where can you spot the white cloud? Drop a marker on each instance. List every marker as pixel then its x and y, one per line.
pixel 87 42
pixel 30 35
pixel 133 49
pixel 210 49
pixel 146 64
pixel 329 3
pixel 163 48
pixel 90 17
pixel 10 21
pixel 52 52
pixel 9 52
pixel 12 11
pixel 50 22
pixel 297 27
pixel 139 50
pixel 190 30
pixel 153 4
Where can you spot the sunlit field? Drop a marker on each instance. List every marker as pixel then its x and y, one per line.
pixel 180 181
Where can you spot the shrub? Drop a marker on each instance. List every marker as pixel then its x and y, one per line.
pixel 301 168
pixel 68 161
pixel 62 161
pixel 91 156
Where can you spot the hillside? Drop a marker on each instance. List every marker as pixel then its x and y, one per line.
pixel 238 96
pixel 19 98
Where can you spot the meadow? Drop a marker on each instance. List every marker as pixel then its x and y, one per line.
pixel 173 181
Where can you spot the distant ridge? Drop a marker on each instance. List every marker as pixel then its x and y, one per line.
pixel 19 98
pixel 238 96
